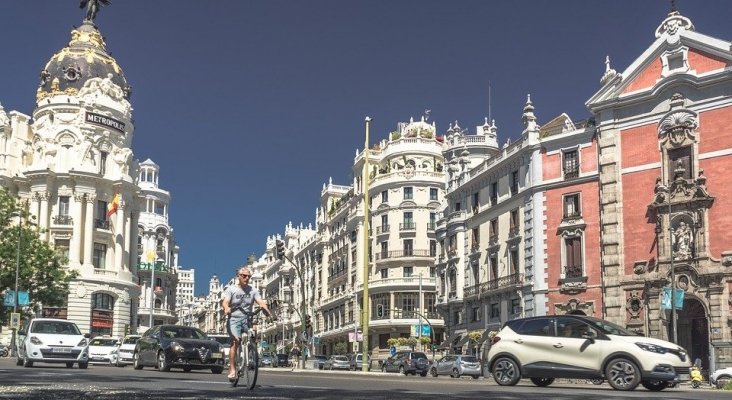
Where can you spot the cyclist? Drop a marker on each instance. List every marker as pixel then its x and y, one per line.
pixel 237 298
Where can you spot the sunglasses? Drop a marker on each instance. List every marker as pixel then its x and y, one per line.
pixel 244 275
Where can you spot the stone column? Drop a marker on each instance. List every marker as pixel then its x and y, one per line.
pixel 131 244
pixel 120 235
pixel 89 227
pixel 75 244
pixel 43 213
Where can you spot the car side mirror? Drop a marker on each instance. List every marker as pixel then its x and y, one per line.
pixel 590 335
pixel 87 335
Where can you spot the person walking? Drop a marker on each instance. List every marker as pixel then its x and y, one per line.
pixel 295 353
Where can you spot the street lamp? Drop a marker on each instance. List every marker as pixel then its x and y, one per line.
pixel 152 290
pixel 14 347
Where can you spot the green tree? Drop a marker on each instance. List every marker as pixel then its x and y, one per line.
pixel 340 348
pixel 40 269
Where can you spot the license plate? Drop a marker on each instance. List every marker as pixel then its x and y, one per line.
pixel 684 377
pixel 61 350
pixel 217 355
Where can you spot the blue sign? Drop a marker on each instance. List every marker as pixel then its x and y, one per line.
pixel 23 298
pixel 316 339
pixel 678 299
pixel 392 351
pixel 9 298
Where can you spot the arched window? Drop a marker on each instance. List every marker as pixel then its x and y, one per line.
pixel 102 314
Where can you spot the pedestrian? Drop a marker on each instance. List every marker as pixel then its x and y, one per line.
pixel 295 353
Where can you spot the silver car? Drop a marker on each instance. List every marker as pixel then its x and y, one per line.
pixel 337 362
pixel 457 365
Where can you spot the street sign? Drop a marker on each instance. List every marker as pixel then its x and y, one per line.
pixel 316 339
pixel 14 320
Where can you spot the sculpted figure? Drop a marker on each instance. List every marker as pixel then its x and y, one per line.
pixel 92 7
pixel 682 241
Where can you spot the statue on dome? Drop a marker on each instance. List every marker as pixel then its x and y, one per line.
pixel 92 7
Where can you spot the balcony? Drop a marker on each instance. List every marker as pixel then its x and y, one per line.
pixel 382 229
pixel 571 173
pixel 384 255
pixel 431 226
pixel 513 231
pixel 101 224
pixel 471 290
pixel 572 215
pixel 407 226
pixel 63 220
pixel 572 279
pixel 507 281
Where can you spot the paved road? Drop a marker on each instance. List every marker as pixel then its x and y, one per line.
pixel 48 381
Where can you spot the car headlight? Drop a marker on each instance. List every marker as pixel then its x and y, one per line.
pixel 175 346
pixel 35 340
pixel 653 348
pixel 82 343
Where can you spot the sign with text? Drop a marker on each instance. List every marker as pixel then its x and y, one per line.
pixel 99 119
pixel 14 320
pixel 357 336
pixel 416 328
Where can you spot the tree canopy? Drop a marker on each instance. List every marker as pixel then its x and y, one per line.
pixel 40 268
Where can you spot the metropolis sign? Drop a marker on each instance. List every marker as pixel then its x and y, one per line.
pixel 102 120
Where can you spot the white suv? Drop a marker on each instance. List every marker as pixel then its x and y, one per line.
pixel 574 346
pixel 52 340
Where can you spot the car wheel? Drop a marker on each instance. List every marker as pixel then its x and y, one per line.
pixel 137 364
pixel 402 370
pixel 187 369
pixel 475 377
pixel 383 368
pixel 217 370
pixel 654 386
pixel 27 363
pixel 542 382
pixel 622 374
pixel 506 372
pixel 423 373
pixel 163 365
pixel 433 372
pixel 69 365
pixel 722 380
pixel 455 373
pixel 83 365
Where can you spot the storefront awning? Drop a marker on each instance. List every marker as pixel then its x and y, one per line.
pixel 447 343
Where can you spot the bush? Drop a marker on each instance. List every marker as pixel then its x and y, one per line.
pixel 727 386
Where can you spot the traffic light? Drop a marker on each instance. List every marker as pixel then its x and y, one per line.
pixel 379 310
pixel 280 249
pixel 308 324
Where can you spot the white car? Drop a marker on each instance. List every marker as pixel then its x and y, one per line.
pixel 100 347
pixel 124 353
pixel 574 346
pixel 721 377
pixel 225 341
pixel 51 340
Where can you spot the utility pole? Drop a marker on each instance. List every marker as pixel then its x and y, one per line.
pixel 673 272
pixel 366 241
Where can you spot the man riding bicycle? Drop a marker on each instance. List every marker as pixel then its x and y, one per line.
pixel 239 299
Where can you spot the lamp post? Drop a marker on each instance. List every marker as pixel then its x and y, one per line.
pixel 14 347
pixel 365 303
pixel 419 309
pixel 190 314
pixel 673 272
pixel 152 290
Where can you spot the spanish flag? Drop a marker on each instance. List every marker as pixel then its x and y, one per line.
pixel 113 206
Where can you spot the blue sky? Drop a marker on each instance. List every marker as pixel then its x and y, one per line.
pixel 250 106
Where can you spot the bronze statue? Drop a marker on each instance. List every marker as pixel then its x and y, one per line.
pixel 92 7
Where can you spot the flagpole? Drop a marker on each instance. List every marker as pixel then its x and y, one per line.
pixel 366 241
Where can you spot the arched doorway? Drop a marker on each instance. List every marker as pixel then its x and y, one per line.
pixel 693 330
pixel 102 314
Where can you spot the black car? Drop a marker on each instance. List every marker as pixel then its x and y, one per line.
pixel 282 360
pixel 407 362
pixel 176 346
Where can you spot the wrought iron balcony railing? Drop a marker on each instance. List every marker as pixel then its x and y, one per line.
pixel 63 220
pixel 101 223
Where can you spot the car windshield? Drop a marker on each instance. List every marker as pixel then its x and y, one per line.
pixel 419 355
pixel 103 342
pixel 130 340
pixel 340 358
pixel 55 327
pixel 183 333
pixel 469 359
pixel 610 328
pixel 282 356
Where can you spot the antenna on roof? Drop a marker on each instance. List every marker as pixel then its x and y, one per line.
pixel 489 101
pixel 673 6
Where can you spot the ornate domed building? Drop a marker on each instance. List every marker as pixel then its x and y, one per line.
pixel 72 163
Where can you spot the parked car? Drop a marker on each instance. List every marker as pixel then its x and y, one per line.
pixel 574 346
pixel 176 346
pixel 100 347
pixel 266 360
pixel 720 377
pixel 356 362
pixel 51 340
pixel 457 365
pixel 282 360
pixel 123 354
pixel 321 360
pixel 336 362
pixel 225 341
pixel 407 362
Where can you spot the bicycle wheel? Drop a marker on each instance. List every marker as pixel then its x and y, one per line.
pixel 251 367
pixel 239 362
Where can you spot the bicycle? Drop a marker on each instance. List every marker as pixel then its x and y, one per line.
pixel 247 359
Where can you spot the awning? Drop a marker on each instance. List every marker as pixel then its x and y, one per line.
pixel 446 344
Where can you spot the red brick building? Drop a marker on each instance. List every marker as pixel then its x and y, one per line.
pixel 664 145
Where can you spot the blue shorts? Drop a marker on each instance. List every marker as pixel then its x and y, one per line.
pixel 237 325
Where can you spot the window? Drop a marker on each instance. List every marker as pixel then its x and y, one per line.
pixel 573 257
pixel 514 261
pixel 103 162
pixel 384 273
pixel 408 220
pixel 535 327
pixel 385 196
pixel 495 310
pixel 572 206
pixel 408 247
pixel 353 236
pixel 453 280
pixel 570 164
pixel 494 193
pixel 406 301
pixel 475 238
pixel 101 210
pixel 493 264
pixel 458 206
pixel 515 306
pixel 433 220
pixel 514 182
pixel 159 208
pixel 63 205
pixel 407 272
pixel 476 314
pixel 476 201
pixel 384 224
pixel 494 230
pixel 453 243
pixel 384 249
pixel 62 248
pixel 408 195
pixel 99 257
pixel 433 194
pixel 514 223
pixel 432 272
pixel 433 248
